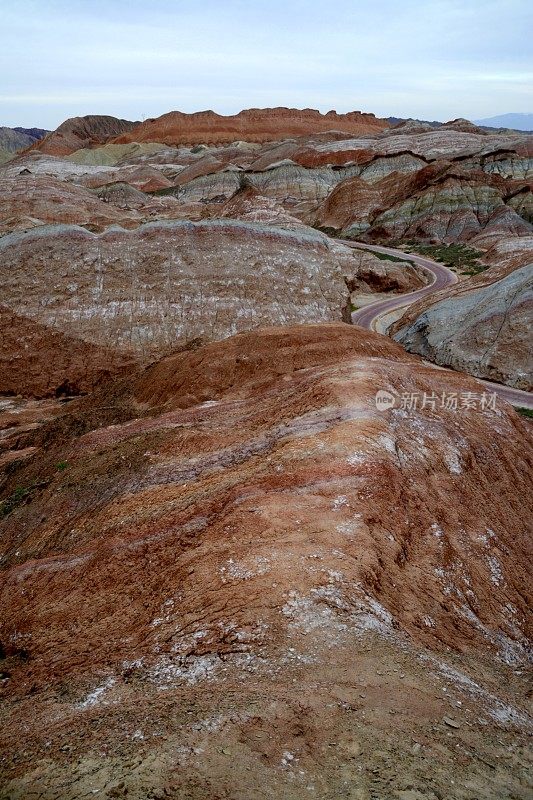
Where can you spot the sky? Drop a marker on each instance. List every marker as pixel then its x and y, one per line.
pixel 429 59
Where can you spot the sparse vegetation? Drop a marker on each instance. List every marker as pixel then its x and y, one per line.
pixel 18 497
pixel 525 412
pixel 14 500
pixel 62 465
pixel 388 257
pixel 333 233
pixel 458 257
pixel 169 191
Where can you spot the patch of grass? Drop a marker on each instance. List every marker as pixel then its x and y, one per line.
pixel 387 257
pixel 455 256
pixel 172 191
pixel 62 465
pixel 14 500
pixel 353 307
pixel 333 233
pixel 19 497
pixel 525 412
pixel 475 270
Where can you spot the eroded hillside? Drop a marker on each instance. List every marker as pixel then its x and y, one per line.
pixel 415 184
pixel 248 549
pixel 259 576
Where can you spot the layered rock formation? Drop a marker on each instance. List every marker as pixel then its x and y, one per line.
pixel 165 284
pixel 41 361
pixel 111 154
pixel 252 125
pixel 454 184
pixel 481 326
pixel 31 200
pixel 260 579
pixel 506 251
pixel 440 202
pixel 80 132
pixel 146 206
pixel 248 204
pixel 384 275
pixel 225 568
pixel 144 178
pixel 31 161
pixel 444 185
pixel 429 145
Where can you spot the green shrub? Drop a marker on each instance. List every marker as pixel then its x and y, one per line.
pixel 388 257
pixel 454 256
pixel 525 412
pixel 14 500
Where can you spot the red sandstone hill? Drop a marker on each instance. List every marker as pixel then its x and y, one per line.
pixel 230 569
pixel 253 125
pixel 48 361
pixel 79 132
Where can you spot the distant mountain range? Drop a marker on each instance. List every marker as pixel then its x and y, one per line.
pixel 35 133
pixel 14 139
pixel 518 122
pixel 397 120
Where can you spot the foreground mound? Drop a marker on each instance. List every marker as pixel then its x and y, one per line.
pixel 266 588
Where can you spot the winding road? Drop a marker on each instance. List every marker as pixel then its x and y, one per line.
pixel 441 277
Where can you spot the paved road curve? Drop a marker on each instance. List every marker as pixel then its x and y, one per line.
pixel 441 277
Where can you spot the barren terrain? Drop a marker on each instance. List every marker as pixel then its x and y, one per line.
pixel 261 580
pixel 227 572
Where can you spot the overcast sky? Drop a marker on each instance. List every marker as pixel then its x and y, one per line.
pixel 432 59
